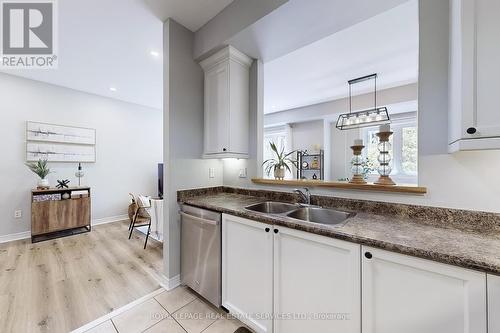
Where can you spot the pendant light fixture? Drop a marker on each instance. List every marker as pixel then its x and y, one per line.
pixel 364 118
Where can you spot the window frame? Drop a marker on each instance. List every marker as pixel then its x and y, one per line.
pixel 397 173
pixel 274 131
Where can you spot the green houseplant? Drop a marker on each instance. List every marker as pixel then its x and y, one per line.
pixel 280 163
pixel 41 169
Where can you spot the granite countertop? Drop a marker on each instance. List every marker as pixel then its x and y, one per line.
pixel 473 249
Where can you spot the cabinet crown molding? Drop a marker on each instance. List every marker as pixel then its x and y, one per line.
pixel 227 53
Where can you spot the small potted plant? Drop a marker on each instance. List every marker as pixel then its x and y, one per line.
pixel 280 163
pixel 41 169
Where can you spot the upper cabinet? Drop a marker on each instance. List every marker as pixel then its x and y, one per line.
pixel 474 73
pixel 227 75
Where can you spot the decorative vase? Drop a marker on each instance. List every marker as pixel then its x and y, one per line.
pixel 279 173
pixel 43 184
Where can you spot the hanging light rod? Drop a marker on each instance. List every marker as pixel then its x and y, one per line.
pixel 363 118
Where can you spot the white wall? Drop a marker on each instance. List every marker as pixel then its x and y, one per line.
pixel 183 140
pixel 129 146
pixel 466 180
pixel 307 134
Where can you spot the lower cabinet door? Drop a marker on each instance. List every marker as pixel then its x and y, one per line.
pixel 411 295
pixel 247 271
pixel 316 283
pixel 493 304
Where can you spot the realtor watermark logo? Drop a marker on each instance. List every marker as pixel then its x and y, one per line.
pixel 28 34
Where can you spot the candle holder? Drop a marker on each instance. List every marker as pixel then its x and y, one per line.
pixel 357 168
pixel 384 159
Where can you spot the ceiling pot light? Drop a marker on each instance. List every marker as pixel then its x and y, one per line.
pixel 113 89
pixel 155 53
pixel 363 118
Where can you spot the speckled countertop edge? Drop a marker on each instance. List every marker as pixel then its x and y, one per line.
pixel 468 249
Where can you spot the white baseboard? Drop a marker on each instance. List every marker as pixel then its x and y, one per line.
pixel 170 284
pixel 109 219
pixel 14 237
pixel 116 312
pixel 94 222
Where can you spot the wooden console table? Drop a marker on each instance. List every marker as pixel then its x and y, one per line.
pixel 54 216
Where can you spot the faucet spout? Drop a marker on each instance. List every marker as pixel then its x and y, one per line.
pixel 305 195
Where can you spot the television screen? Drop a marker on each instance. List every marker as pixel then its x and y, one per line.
pixel 160 180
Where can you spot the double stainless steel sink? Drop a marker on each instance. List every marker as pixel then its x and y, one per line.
pixel 304 213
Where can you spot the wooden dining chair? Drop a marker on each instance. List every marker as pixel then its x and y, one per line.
pixel 142 217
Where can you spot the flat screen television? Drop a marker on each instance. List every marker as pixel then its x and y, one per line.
pixel 160 180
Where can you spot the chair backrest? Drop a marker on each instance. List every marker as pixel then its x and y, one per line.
pixel 143 201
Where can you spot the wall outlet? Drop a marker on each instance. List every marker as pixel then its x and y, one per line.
pixel 18 214
pixel 211 173
pixel 243 173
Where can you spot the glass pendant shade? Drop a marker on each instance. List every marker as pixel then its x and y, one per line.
pixel 363 118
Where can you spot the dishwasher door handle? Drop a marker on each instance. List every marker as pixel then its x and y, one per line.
pixel 199 219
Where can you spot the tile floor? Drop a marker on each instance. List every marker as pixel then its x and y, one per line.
pixel 177 311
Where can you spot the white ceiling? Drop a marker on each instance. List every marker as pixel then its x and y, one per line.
pixel 386 44
pixel 192 14
pixel 108 43
pixel 297 23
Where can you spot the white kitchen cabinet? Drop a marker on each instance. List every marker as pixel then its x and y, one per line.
pixel 493 304
pixel 247 271
pixel 316 283
pixel 411 295
pixel 474 116
pixel 227 75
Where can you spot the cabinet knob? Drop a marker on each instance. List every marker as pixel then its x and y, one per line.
pixel 276 231
pixel 368 255
pixel 267 229
pixel 224 149
pixel 471 130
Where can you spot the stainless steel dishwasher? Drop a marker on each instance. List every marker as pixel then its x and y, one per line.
pixel 201 252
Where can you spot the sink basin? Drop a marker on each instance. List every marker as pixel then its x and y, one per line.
pixel 320 215
pixel 272 207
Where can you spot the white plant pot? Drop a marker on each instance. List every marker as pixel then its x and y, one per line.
pixel 279 173
pixel 43 183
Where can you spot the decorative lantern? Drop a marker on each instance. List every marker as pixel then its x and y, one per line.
pixel 384 157
pixel 357 161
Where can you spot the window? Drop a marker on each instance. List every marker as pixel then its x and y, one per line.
pixel 280 136
pixel 404 151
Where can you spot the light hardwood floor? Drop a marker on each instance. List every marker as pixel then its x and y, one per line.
pixel 59 285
